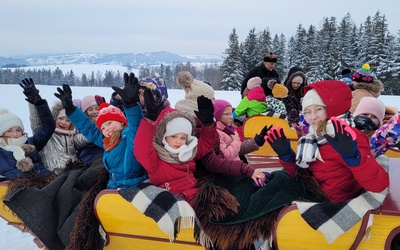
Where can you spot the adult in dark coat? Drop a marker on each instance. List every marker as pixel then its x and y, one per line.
pixel 295 82
pixel 265 69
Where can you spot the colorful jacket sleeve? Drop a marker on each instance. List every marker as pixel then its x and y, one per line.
pixel 386 136
pixel 86 127
pixel 146 153
pixel 370 175
pixel 215 164
pixel 242 107
pixel 206 141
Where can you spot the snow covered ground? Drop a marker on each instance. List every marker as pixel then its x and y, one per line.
pixel 12 98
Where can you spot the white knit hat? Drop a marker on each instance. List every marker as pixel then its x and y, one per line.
pixel 9 120
pixel 312 98
pixel 193 88
pixel 181 125
pixel 178 125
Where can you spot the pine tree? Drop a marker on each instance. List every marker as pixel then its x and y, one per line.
pixel 264 44
pixel 250 52
pixel 344 50
pixel 232 67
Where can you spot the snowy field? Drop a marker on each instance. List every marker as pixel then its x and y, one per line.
pixel 12 98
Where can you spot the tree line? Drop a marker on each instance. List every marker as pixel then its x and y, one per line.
pixel 321 52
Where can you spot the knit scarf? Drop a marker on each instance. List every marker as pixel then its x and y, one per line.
pixel 177 156
pixel 229 130
pixel 14 145
pixel 108 145
pixel 307 149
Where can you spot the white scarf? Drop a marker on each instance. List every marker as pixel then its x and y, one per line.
pixel 14 145
pixel 307 149
pixel 185 152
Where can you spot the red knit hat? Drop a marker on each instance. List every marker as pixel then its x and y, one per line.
pixel 109 112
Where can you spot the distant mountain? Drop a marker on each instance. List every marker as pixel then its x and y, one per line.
pixel 125 59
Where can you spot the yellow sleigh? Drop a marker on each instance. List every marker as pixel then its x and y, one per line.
pixel 127 228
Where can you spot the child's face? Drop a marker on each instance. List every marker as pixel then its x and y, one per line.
pixel 226 117
pixel 177 140
pixel 92 112
pixel 109 127
pixel 63 122
pixel 374 119
pixel 14 132
pixel 314 114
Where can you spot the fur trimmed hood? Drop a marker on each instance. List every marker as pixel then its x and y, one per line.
pixel 166 116
pixel 375 87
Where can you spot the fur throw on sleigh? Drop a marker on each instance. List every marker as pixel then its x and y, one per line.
pixel 58 210
pixel 233 212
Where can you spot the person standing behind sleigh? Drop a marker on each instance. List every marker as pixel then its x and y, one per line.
pixel 112 131
pixel 336 153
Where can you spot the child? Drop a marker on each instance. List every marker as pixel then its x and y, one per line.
pixel 368 117
pixel 253 103
pixel 62 148
pixel 230 144
pixel 364 85
pixel 112 131
pixel 214 162
pixel 168 148
pixel 19 154
pixel 90 107
pixel 337 155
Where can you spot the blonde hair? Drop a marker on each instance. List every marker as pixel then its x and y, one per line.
pixel 116 136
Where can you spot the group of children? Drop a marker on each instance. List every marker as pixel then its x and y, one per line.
pixel 171 150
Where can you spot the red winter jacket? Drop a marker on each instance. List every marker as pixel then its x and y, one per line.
pixel 341 182
pixel 177 178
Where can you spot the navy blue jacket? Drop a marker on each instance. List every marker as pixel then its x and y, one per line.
pixel 7 161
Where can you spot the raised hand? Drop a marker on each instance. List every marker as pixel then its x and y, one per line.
pixel 206 110
pixel 65 95
pixel 260 138
pixel 152 106
pixel 344 142
pixel 31 92
pixel 278 141
pixel 130 92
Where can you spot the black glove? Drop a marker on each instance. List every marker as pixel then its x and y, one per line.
pixel 152 107
pixel 259 138
pixel 65 95
pixel 130 92
pixel 31 92
pixel 206 110
pixel 345 142
pixel 279 142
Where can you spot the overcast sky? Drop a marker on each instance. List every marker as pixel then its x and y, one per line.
pixel 184 27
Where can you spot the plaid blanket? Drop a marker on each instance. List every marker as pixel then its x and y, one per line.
pixel 169 211
pixel 334 219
